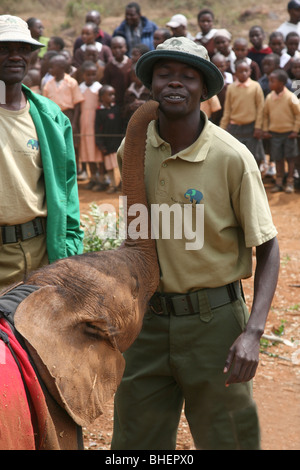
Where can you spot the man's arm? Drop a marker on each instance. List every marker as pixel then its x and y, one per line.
pixel 243 355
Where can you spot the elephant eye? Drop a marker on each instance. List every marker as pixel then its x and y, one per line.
pixel 104 332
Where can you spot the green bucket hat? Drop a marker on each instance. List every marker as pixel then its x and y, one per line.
pixel 186 51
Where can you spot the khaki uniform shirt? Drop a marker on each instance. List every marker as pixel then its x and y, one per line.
pixel 22 187
pixel 217 181
pixel 244 104
pixel 281 112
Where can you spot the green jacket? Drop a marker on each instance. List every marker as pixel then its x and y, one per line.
pixel 64 235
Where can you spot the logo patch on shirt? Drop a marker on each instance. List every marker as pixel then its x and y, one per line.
pixel 33 144
pixel 193 195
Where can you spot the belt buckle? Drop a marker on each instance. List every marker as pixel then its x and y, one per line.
pixel 163 303
pixel 154 302
pixel 27 231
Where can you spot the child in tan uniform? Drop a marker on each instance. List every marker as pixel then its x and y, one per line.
pixel 243 110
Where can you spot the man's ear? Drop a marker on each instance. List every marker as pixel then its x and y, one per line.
pixel 204 93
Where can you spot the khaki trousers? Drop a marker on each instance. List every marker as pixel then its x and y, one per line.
pixel 179 360
pixel 18 259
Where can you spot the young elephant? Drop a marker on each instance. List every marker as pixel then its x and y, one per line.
pixel 87 310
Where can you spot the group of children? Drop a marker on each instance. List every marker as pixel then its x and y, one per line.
pixel 97 88
pixel 259 103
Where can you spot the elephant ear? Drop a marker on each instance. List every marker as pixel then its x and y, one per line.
pixel 86 368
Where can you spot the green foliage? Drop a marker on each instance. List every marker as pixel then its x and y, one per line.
pixel 102 230
pixel 78 8
pixel 280 330
pixel 235 15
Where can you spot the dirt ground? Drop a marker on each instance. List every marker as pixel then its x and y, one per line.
pixel 277 383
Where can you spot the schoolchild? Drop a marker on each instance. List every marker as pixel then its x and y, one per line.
pixel 222 39
pixel 276 43
pixel 117 71
pixel 259 49
pixel 109 131
pixel 89 35
pixel 240 48
pixel 281 124
pixel 243 110
pixel 89 154
pixel 205 36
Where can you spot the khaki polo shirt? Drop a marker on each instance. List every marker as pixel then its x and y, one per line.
pixel 22 187
pixel 217 182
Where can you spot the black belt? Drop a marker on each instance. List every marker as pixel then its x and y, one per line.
pixel 188 304
pixel 13 233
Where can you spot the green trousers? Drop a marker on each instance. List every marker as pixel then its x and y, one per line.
pixel 179 360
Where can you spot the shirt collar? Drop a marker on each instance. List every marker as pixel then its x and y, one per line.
pixel 194 153
pixel 245 84
pixel 276 96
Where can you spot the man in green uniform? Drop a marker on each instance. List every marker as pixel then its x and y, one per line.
pixel 198 345
pixel 39 209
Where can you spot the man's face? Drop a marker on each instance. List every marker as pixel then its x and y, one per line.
pixel 177 87
pixel 14 61
pixel 132 17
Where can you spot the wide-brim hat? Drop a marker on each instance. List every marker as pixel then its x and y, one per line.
pixel 186 51
pixel 14 29
pixel 177 20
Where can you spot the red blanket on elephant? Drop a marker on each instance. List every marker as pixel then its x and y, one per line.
pixel 22 424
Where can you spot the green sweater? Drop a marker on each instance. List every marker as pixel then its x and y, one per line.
pixel 64 235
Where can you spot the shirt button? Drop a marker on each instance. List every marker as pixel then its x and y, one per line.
pixel 162 183
pixel 163 147
pixel 164 165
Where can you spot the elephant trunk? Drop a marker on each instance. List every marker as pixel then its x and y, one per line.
pixel 134 189
pixel 133 176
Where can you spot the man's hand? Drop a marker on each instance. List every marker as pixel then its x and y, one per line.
pixel 293 135
pixel 243 358
pixel 244 353
pixel 257 134
pixel 266 135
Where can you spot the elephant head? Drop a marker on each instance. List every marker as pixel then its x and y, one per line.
pixel 89 308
